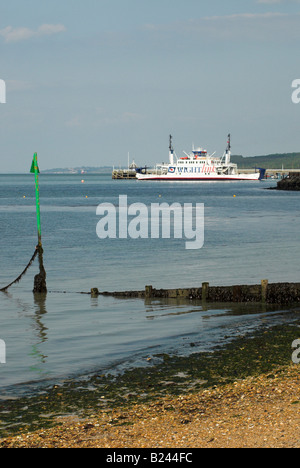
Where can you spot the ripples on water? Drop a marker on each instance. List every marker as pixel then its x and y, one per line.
pixel 251 236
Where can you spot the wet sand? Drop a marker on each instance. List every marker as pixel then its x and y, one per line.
pixel 257 412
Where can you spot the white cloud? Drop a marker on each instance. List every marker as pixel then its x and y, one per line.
pixel 238 16
pixel 246 16
pixel 11 34
pixel 205 22
pixel 269 2
pixel 270 26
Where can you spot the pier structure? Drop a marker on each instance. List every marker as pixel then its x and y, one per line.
pixel 123 174
pixel 279 173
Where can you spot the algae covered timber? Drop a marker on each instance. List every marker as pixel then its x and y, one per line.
pixel 269 293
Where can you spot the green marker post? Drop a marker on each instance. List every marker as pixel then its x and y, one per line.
pixel 35 170
pixel 40 279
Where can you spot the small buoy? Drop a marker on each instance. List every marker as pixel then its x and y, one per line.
pixel 86 196
pixel 159 196
pixel 82 181
pixel 24 196
pixel 234 196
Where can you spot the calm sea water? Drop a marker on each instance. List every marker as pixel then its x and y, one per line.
pixel 249 237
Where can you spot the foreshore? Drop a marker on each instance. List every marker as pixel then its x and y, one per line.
pixel 245 394
pixel 258 412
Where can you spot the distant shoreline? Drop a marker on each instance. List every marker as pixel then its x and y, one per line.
pixel 104 170
pixel 79 170
pixel 287 161
pixel 272 161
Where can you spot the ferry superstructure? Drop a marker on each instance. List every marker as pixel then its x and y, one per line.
pixel 199 166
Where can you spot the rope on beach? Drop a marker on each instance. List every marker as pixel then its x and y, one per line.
pixel 23 273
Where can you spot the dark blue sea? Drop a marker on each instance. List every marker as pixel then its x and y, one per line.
pixel 251 233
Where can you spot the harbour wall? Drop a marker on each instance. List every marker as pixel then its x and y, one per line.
pixel 276 293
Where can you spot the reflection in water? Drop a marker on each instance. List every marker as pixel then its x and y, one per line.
pixel 41 330
pixel 159 307
pixel 35 335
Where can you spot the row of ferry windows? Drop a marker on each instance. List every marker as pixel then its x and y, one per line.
pixel 191 162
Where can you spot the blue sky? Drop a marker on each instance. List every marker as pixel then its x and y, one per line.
pixel 88 82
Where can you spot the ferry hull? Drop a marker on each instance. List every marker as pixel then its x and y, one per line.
pixel 198 178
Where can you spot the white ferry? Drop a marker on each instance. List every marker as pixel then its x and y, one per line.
pixel 198 166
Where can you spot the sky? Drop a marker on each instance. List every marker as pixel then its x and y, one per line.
pixel 88 82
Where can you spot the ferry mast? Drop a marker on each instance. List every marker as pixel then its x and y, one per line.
pixel 171 153
pixel 228 150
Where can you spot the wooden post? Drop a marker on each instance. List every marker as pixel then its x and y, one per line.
pixel 94 292
pixel 205 288
pixel 148 291
pixel 264 290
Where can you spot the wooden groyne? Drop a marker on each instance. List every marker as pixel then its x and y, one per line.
pixel 276 293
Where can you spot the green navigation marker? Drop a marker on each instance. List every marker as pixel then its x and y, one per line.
pixel 40 279
pixel 35 170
